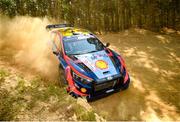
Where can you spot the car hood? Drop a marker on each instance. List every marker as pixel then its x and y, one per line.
pixel 99 63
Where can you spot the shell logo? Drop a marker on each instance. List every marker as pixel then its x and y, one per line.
pixel 101 64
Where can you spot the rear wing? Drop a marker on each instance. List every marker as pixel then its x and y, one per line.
pixel 50 27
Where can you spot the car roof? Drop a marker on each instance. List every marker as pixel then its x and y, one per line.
pixel 71 31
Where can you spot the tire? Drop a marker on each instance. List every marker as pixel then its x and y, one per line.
pixel 74 95
pixel 126 85
pixel 62 80
pixel 89 99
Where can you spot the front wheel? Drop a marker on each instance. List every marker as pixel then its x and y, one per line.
pixel 62 79
pixel 74 95
pixel 126 85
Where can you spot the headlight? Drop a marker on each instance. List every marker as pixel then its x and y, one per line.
pixel 79 78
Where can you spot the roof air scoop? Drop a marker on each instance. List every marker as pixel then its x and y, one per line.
pixel 77 33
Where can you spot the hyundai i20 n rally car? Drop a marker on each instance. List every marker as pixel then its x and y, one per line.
pixel 89 67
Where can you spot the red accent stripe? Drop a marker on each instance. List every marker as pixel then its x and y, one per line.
pixel 71 86
pixel 109 54
pixel 126 77
pixel 123 63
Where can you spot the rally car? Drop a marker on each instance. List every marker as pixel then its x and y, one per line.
pixel 89 67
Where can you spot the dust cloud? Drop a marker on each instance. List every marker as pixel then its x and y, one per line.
pixel 25 42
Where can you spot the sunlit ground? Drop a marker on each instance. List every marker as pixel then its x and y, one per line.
pixel 153 61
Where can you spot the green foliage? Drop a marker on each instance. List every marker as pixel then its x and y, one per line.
pixel 36 95
pixel 84 115
pixel 38 92
pixel 101 15
pixel 8 7
pixel 7 110
pixel 3 74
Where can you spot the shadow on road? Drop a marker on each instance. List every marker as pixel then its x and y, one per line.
pixel 153 61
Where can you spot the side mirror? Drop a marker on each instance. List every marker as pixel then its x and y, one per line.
pixel 56 53
pixel 107 44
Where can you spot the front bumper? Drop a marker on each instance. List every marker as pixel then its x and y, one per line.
pixel 95 90
pixel 106 92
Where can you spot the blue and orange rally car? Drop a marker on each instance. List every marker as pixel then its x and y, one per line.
pixel 90 69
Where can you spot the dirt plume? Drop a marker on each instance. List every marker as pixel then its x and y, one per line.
pixel 25 41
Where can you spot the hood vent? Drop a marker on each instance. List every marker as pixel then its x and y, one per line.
pixel 73 58
pixel 106 72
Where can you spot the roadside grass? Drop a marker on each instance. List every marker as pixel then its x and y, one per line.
pixel 3 74
pixel 7 109
pixel 84 116
pixel 38 98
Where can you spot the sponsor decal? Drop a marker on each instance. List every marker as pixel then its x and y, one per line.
pixel 96 56
pixel 111 90
pixel 109 78
pixel 101 64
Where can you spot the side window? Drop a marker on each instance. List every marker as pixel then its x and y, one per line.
pixel 56 45
pixel 57 42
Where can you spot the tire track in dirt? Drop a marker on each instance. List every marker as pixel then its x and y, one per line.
pixel 151 58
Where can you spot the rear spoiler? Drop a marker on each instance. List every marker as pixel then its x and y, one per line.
pixel 49 27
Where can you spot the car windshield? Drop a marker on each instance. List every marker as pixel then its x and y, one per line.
pixel 82 46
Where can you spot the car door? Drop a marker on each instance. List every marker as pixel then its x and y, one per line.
pixel 57 49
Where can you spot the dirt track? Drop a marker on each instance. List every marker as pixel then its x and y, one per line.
pixel 153 61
